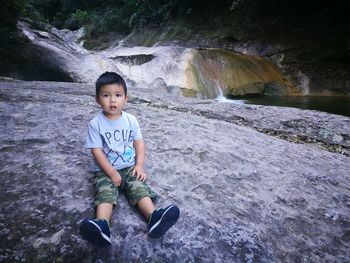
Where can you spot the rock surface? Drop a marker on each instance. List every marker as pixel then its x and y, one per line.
pixel 245 196
pixel 209 72
pixel 59 52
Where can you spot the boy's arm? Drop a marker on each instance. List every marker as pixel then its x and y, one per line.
pixel 105 165
pixel 139 171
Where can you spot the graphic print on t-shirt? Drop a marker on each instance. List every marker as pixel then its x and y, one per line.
pixel 117 157
pixel 118 136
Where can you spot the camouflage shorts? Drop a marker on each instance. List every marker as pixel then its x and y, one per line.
pixel 107 192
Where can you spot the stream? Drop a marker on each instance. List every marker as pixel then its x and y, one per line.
pixel 330 104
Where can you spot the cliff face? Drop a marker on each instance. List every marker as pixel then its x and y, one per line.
pixel 209 72
pixel 309 41
pixel 253 183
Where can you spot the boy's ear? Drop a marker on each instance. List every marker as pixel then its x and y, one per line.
pixel 97 99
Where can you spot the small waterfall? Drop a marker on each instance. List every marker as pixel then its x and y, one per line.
pixel 220 95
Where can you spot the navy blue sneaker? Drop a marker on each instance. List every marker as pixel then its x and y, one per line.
pixel 161 220
pixel 96 231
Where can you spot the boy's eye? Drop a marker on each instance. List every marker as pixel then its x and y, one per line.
pixel 105 95
pixel 118 95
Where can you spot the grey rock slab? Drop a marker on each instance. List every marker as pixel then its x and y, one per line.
pixel 244 196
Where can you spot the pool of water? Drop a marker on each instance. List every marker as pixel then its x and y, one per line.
pixel 336 105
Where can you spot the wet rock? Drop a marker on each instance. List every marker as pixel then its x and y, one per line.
pixel 220 72
pixel 244 196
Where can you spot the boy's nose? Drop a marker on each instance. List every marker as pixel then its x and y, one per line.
pixel 112 98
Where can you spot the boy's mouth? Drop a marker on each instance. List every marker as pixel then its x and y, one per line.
pixel 113 107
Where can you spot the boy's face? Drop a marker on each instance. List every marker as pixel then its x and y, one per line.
pixel 112 99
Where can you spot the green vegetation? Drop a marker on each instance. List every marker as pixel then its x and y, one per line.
pixel 122 15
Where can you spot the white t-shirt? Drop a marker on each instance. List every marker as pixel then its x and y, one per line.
pixel 116 138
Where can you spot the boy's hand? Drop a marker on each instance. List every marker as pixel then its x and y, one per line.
pixel 106 166
pixel 139 172
pixel 117 179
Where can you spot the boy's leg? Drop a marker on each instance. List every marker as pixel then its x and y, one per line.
pixel 139 193
pixel 146 206
pixel 97 230
pixel 104 211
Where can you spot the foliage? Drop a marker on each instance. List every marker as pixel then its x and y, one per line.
pixel 124 15
pixel 121 15
pixel 10 10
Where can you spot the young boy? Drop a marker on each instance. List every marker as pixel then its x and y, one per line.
pixel 116 143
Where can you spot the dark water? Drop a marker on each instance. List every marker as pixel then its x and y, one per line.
pixel 336 105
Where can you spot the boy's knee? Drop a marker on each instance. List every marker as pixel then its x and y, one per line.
pixel 106 195
pixel 105 190
pixel 137 191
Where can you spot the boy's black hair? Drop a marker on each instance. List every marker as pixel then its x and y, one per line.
pixel 110 78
